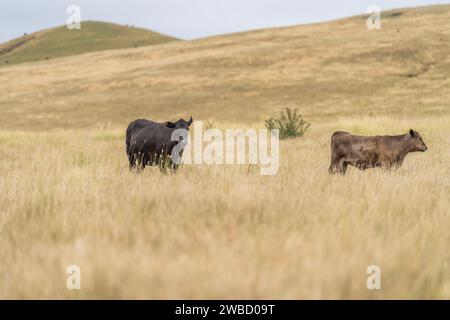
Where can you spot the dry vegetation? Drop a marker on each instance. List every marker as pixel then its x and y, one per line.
pixel 67 197
pixel 221 231
pixel 326 70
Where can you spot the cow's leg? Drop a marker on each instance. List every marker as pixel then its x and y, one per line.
pixel 334 168
pixel 151 160
pixel 133 156
pixel 361 165
pixel 139 162
pixel 335 165
pixel 132 159
pixel 396 165
pixel 343 164
pixel 135 160
pixel 174 166
pixel 392 166
pixel 338 165
pixel 166 163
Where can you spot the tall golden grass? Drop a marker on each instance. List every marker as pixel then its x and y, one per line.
pixel 223 231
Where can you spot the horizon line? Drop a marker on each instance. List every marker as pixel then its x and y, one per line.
pixel 225 33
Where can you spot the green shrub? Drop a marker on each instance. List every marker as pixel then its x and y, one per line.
pixel 289 123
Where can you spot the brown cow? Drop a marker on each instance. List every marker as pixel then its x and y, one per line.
pixel 365 152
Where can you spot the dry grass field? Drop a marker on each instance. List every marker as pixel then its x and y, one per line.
pixel 67 196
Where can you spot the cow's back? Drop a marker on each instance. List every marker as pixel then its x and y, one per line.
pixel 145 136
pixel 139 124
pixel 340 137
pixel 349 146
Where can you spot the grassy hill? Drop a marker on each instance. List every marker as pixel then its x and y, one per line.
pixel 61 42
pixel 338 68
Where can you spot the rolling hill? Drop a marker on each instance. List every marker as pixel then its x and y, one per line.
pixel 327 70
pixel 60 42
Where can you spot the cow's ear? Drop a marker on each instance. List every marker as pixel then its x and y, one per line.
pixel 170 124
pixel 190 122
pixel 411 132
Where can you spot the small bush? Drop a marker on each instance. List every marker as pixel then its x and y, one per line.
pixel 289 123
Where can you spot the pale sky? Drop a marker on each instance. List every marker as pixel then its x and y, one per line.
pixel 186 19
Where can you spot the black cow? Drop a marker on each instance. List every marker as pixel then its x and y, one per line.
pixel 150 143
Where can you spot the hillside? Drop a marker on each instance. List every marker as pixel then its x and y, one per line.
pixel 61 42
pixel 327 70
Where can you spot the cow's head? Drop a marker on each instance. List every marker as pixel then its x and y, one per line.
pixel 180 124
pixel 417 141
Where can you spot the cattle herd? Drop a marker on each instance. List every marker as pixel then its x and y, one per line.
pixel 150 143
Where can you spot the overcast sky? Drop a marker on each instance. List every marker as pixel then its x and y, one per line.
pixel 186 19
